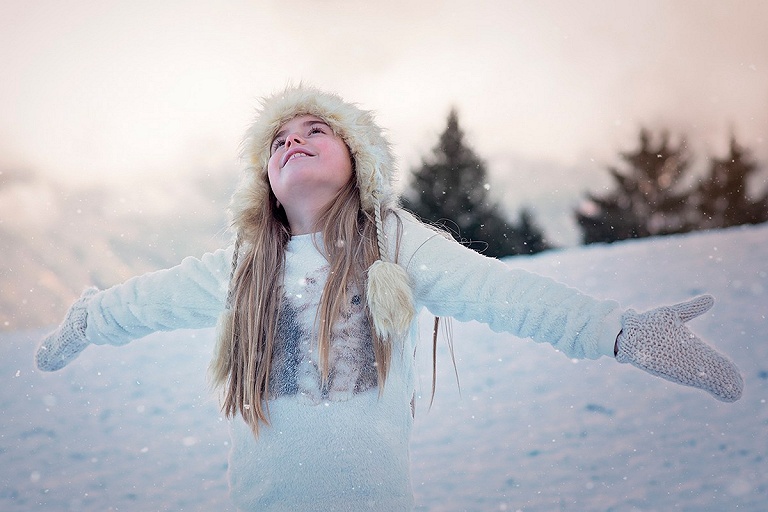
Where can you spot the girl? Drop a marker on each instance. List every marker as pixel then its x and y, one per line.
pixel 316 304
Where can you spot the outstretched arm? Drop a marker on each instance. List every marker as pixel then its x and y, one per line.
pixel 189 295
pixel 451 280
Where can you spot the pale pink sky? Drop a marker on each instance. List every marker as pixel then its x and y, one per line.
pixel 110 91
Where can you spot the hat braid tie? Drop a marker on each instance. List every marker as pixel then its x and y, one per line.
pixel 380 237
pixel 389 294
pixel 230 286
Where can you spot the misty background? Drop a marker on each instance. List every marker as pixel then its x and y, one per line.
pixel 120 122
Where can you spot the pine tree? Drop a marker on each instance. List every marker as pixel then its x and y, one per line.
pixel 646 201
pixel 722 197
pixel 451 189
pixel 533 240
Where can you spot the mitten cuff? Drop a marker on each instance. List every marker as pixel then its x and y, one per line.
pixel 612 324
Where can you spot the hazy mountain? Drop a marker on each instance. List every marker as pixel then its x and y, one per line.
pixel 55 240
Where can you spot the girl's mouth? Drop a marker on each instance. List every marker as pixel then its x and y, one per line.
pixel 294 154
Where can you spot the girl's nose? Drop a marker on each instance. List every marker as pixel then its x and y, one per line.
pixel 293 138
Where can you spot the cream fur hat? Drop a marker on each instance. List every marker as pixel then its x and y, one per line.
pixel 388 288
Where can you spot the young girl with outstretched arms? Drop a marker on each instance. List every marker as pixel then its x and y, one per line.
pixel 316 302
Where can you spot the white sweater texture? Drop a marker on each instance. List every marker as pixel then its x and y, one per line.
pixel 344 445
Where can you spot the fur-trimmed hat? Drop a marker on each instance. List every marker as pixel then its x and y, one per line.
pixel 388 289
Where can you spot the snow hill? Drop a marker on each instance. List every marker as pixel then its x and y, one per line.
pixel 135 428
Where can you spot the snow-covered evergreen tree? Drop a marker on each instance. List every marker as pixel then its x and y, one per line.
pixel 723 198
pixel 451 189
pixel 647 200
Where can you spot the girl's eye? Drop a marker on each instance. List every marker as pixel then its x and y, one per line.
pixel 276 144
pixel 316 129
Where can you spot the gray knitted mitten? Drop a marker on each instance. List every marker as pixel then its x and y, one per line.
pixel 658 342
pixel 64 344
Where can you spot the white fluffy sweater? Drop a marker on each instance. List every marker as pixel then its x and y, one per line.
pixel 344 446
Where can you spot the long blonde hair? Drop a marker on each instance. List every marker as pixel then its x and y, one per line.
pixel 248 331
pixel 354 241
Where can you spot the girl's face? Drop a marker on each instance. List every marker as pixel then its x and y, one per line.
pixel 308 165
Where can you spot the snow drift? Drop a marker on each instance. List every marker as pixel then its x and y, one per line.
pixel 135 428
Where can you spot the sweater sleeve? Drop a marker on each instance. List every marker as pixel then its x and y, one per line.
pixel 189 295
pixel 452 280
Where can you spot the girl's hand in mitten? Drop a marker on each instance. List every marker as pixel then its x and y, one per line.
pixel 658 342
pixel 64 344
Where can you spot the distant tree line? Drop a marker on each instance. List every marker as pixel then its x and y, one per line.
pixel 652 196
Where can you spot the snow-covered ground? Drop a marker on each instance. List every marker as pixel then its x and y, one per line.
pixel 135 428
